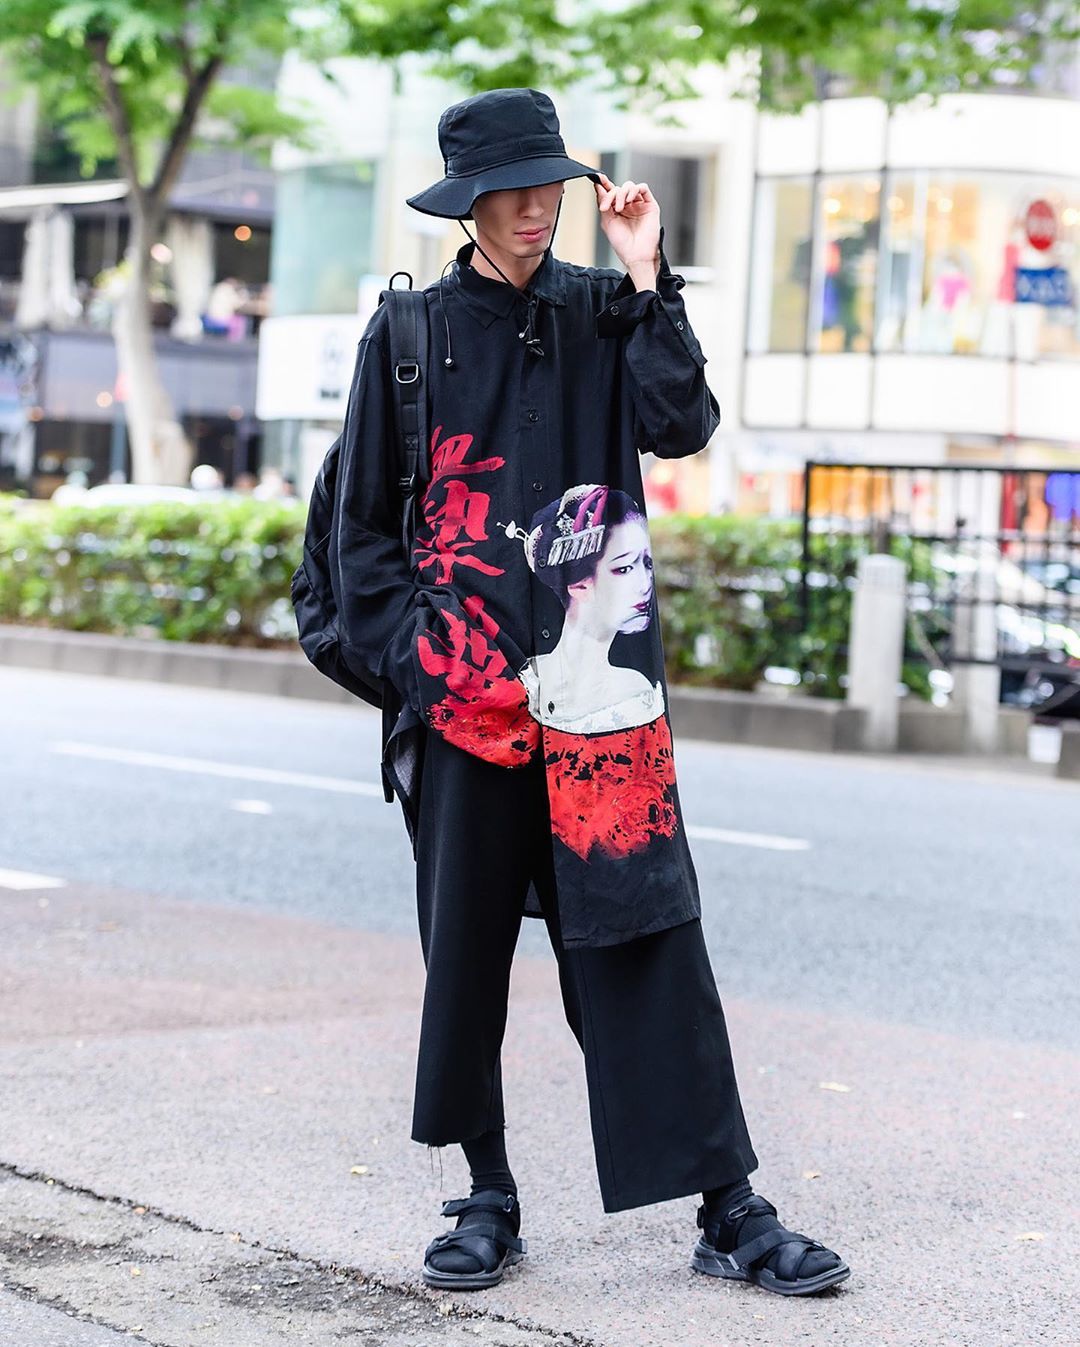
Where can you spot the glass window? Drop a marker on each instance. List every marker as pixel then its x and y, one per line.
pixel 679 183
pixel 780 266
pixel 961 275
pixel 322 237
pixel 849 228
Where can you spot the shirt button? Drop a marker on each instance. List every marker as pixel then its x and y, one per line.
pixel 551 706
pixel 538 485
pixel 534 415
pixel 544 633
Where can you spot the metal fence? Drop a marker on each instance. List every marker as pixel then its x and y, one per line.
pixel 993 558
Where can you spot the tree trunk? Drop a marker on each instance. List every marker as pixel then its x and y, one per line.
pixel 160 452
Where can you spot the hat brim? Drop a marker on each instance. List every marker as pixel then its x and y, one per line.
pixel 453 198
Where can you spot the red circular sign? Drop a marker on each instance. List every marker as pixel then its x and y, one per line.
pixel 1040 224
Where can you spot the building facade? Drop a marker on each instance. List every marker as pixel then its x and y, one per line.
pixel 62 241
pixel 869 287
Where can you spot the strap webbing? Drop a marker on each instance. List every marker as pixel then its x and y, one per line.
pixel 407 312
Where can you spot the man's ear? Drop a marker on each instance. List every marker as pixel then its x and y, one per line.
pixel 580 587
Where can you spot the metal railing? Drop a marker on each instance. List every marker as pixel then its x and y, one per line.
pixel 993 556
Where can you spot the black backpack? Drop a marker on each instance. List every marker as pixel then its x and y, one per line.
pixel 311 591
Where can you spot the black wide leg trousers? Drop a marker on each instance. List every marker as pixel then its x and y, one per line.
pixel 663 1101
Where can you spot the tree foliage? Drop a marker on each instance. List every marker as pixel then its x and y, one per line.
pixel 131 78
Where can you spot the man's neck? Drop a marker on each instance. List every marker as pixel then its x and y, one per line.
pixel 519 270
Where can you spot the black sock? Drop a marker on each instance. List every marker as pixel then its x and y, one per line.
pixel 488 1165
pixel 724 1234
pixel 719 1200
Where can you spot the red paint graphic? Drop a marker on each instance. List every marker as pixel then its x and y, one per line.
pixel 459 520
pixel 486 710
pixel 612 791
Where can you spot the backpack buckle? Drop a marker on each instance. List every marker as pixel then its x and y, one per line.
pixel 409 368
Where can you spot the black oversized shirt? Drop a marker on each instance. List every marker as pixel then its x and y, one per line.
pixel 524 623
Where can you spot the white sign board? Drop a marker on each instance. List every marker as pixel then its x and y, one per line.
pixel 306 363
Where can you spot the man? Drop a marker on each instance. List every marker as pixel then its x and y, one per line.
pixel 520 640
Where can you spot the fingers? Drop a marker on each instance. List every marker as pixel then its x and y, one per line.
pixel 617 199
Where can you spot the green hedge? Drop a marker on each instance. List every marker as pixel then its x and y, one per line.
pixel 210 571
pixel 218 571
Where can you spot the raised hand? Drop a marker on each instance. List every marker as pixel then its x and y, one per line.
pixel 630 218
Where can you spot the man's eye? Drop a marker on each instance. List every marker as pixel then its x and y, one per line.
pixel 648 561
pixel 621 570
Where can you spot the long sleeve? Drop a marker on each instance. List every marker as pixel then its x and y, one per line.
pixel 372 579
pixel 398 617
pixel 675 408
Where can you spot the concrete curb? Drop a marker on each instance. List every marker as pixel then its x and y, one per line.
pixel 282 673
pixel 1068 765
pixel 715 714
pixel 769 722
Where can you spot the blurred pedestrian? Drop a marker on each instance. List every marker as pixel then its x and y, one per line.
pixel 525 700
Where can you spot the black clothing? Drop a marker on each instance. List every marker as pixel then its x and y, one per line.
pixel 498 139
pixel 532 540
pixel 663 1101
pixel 488 1165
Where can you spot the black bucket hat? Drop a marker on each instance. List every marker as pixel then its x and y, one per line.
pixel 501 139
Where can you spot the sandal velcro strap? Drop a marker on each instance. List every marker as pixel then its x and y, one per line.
pixel 754 1205
pixel 501 1202
pixel 465 1233
pixel 746 1255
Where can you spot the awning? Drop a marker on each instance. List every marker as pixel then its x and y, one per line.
pixel 22 200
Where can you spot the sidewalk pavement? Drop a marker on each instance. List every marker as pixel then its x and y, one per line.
pixel 243 1082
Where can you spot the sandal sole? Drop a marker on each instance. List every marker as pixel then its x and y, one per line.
pixel 469 1281
pixel 707 1260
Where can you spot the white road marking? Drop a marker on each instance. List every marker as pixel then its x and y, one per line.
pixel 204 767
pixel 767 841
pixel 24 879
pixel 251 806
pixel 239 772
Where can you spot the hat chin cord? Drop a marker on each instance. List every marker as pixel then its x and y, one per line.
pixel 527 335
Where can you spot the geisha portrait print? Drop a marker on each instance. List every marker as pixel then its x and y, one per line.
pixel 607 745
pixel 591 547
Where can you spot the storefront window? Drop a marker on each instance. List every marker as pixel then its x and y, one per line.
pixel 781 265
pixel 849 227
pixel 959 269
pixel 962 275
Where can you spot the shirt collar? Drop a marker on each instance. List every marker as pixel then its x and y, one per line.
pixel 488 298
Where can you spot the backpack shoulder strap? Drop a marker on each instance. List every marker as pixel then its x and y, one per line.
pixel 408 327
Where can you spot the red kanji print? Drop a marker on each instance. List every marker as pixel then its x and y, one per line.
pixel 456 517
pixel 486 709
pixel 613 792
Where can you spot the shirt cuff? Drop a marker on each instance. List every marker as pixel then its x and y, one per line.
pixel 628 307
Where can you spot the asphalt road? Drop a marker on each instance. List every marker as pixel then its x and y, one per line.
pixel 907 893
pixel 209 998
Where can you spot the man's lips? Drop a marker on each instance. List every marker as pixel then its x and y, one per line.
pixel 532 234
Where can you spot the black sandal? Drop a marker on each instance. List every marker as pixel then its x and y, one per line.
pixel 486 1241
pixel 746 1262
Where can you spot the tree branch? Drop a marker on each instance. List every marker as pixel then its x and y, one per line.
pixel 172 157
pixel 119 119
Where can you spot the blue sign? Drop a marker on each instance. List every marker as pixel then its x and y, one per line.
pixel 1049 286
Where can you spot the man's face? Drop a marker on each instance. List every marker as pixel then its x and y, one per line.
pixel 518 221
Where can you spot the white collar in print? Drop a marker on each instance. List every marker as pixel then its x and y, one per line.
pixel 640 708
